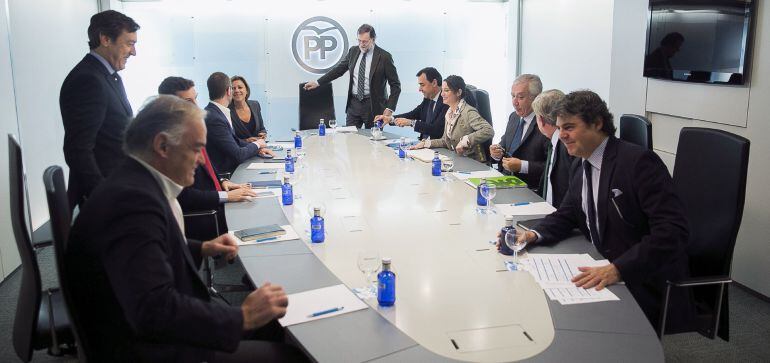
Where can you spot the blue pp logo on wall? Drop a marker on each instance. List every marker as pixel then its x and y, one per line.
pixel 318 44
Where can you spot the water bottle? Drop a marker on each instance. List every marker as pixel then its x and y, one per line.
pixel 402 148
pixel 287 192
pixel 436 168
pixel 289 162
pixel 504 249
pixel 386 284
pixel 297 141
pixel 317 233
pixel 378 124
pixel 321 128
pixel 480 200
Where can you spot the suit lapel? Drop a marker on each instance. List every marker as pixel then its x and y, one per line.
pixel 375 60
pixel 354 53
pixel 608 167
pixel 213 108
pixel 115 85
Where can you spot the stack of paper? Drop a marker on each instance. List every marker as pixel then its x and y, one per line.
pixel 290 235
pixel 265 166
pixel 554 273
pixel 425 155
pixel 347 129
pixel 525 209
pixel 320 303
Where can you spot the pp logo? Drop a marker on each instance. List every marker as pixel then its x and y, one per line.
pixel 318 44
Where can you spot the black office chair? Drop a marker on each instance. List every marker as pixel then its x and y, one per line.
pixel 636 130
pixel 41 319
pixel 713 201
pixel 314 105
pixel 61 220
pixel 480 100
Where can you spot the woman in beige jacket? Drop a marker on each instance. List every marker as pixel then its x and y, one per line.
pixel 465 131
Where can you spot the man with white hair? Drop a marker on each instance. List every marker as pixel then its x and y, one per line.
pixel 558 161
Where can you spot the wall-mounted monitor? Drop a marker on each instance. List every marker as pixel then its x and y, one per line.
pixel 705 41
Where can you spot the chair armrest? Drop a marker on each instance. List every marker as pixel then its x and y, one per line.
pixel 701 281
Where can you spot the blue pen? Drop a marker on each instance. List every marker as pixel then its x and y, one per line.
pixel 267 172
pixel 265 239
pixel 324 312
pixel 464 172
pixel 520 203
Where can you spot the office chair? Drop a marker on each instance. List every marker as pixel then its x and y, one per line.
pixel 314 105
pixel 61 220
pixel 480 100
pixel 713 202
pixel 636 130
pixel 41 319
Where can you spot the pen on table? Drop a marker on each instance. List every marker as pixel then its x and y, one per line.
pixel 464 172
pixel 521 203
pixel 267 172
pixel 265 239
pixel 327 311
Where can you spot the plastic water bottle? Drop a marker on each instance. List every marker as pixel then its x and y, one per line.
pixel 287 192
pixel 480 200
pixel 289 162
pixel 402 148
pixel 504 249
pixel 317 234
pixel 297 141
pixel 436 168
pixel 321 128
pixel 386 284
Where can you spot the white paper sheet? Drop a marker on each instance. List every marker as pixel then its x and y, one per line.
pixel 266 166
pixel 525 210
pixel 285 145
pixel 477 174
pixel 267 193
pixel 554 273
pixel 290 235
pixel 347 129
pixel 303 304
pixel 425 155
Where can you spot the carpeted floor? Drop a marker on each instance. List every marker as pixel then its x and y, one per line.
pixel 749 323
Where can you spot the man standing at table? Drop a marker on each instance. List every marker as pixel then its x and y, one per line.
pixel 522 150
pixel 428 117
pixel 622 198
pixel 370 67
pixel 94 106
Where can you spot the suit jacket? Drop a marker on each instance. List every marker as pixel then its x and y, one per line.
pixel 468 123
pixel 560 173
pixel 202 196
pixel 381 71
pixel 433 127
pixel 643 232
pixel 136 278
pixel 95 113
pixel 533 149
pixel 254 127
pixel 225 149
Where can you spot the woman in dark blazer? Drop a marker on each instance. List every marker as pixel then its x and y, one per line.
pixel 246 114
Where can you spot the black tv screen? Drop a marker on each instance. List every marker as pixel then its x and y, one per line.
pixel 705 41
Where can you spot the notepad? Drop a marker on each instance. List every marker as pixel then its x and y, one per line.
pixel 303 305
pixel 501 182
pixel 290 234
pixel 265 184
pixel 268 166
pixel 425 155
pixel 251 234
pixel 529 209
pixel 465 175
pixel 347 129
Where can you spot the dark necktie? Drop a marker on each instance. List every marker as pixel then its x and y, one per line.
pixel 123 92
pixel 429 117
pixel 516 142
pixel 210 170
pixel 361 76
pixel 591 207
pixel 547 171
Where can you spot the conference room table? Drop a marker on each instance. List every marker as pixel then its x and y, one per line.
pixel 455 300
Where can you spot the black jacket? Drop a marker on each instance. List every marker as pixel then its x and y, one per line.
pixel 254 127
pixel 433 127
pixel 559 174
pixel 225 149
pixel 533 149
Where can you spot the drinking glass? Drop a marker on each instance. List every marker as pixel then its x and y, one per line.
pixel 447 164
pixel 333 125
pixel 489 193
pixel 368 264
pixel 513 244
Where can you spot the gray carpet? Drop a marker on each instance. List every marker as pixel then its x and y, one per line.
pixel 749 323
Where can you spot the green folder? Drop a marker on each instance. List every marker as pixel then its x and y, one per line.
pixel 501 182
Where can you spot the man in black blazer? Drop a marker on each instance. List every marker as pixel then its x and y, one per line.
pixel 622 198
pixel 428 117
pixel 94 106
pixel 224 148
pixel 370 67
pixel 558 162
pixel 134 277
pixel 522 150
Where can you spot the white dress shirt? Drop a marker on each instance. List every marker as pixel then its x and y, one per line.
pixel 170 190
pixel 549 187
pixel 596 169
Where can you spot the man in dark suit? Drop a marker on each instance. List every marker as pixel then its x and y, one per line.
pixel 370 67
pixel 428 117
pixel 208 191
pixel 558 162
pixel 522 149
pixel 94 106
pixel 134 277
pixel 224 148
pixel 622 198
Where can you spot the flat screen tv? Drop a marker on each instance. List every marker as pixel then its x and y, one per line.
pixel 705 41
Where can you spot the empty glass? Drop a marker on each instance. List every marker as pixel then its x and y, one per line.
pixel 333 125
pixel 488 191
pixel 447 164
pixel 516 246
pixel 368 264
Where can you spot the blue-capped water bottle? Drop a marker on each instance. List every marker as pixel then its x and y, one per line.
pixel 386 284
pixel 321 128
pixel 436 167
pixel 317 233
pixel 480 200
pixel 289 162
pixel 402 148
pixel 503 248
pixel 287 192
pixel 297 140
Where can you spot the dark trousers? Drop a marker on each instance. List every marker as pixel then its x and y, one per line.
pixel 265 344
pixel 360 113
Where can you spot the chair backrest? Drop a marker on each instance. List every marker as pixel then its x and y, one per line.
pixel 710 178
pixel 61 220
pixel 481 99
pixel 636 130
pixel 315 104
pixel 30 292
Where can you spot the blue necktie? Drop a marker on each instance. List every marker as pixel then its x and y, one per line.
pixel 516 142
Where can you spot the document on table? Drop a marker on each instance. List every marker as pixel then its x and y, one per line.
pixel 283 144
pixel 527 209
pixel 425 155
pixel 290 235
pixel 266 166
pixel 554 273
pixel 320 303
pixel 347 129
pixel 464 175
